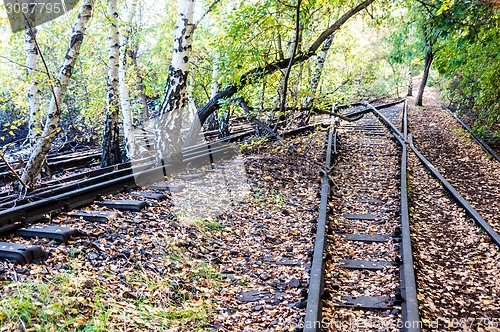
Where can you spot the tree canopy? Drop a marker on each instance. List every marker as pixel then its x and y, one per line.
pixel 374 46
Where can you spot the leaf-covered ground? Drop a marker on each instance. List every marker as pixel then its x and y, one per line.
pixel 461 160
pixel 456 263
pixel 164 269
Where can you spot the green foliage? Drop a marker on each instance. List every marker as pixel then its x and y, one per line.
pixel 469 62
pixel 464 38
pixel 369 57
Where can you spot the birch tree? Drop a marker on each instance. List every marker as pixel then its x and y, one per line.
pixel 214 89
pixel 140 83
pixel 111 152
pixel 53 113
pixel 168 126
pixel 293 51
pixel 316 77
pixel 34 123
pixel 123 85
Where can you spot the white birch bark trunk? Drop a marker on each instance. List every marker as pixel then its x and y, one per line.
pixel 191 109
pixel 409 92
pixel 214 87
pixel 212 121
pixel 111 153
pixel 53 114
pixel 34 123
pixel 168 127
pixel 123 85
pixel 318 70
pixel 140 84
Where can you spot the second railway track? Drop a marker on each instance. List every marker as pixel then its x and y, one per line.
pixel 365 239
pixel 369 279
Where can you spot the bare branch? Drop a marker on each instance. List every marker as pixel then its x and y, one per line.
pixel 13 171
pixel 22 65
pixel 212 5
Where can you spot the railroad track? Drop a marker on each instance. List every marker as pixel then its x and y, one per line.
pixel 57 163
pixel 362 259
pixel 371 219
pixel 486 148
pixel 22 216
pixel 362 232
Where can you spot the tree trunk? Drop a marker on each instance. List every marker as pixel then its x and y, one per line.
pixel 43 144
pixel 140 85
pixel 260 72
pixel 111 153
pixel 34 123
pixel 224 125
pixel 290 64
pixel 190 114
pixel 168 125
pixel 123 89
pixel 429 56
pixel 316 77
pixel 212 121
pixel 409 93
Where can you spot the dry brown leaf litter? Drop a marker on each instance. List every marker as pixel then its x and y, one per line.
pixel 178 266
pixel 461 161
pixel 457 266
pixel 367 174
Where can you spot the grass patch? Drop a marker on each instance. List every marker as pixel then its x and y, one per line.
pixel 213 225
pixel 138 299
pixel 270 198
pixel 461 132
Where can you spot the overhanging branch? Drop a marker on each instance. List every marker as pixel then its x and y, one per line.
pixel 260 72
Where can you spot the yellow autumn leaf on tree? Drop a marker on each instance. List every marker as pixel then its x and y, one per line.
pixel 445 6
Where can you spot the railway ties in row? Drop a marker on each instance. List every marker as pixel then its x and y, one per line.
pixel 114 190
pixel 369 279
pixel 362 232
pixel 103 211
pixel 22 217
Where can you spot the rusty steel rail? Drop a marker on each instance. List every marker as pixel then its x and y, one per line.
pixel 312 320
pixel 456 195
pixel 410 313
pixel 486 148
pixel 409 308
pixel 66 197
